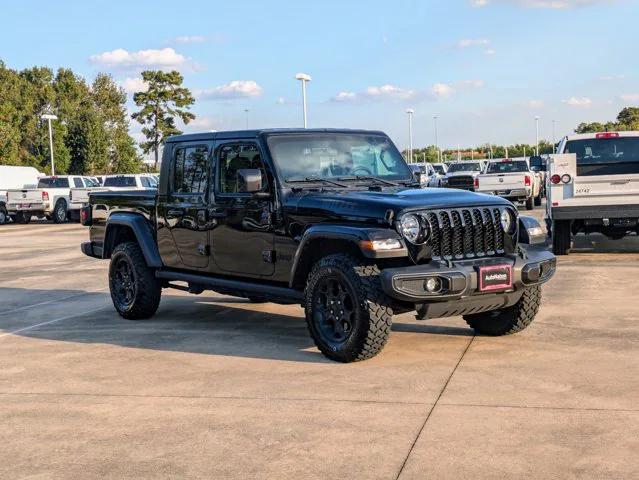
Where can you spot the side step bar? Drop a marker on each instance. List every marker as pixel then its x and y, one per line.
pixel 233 287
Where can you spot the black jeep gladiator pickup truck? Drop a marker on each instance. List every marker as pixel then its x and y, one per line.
pixel 330 219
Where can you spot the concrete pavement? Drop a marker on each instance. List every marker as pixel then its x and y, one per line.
pixel 215 387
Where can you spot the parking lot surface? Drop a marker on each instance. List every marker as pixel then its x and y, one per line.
pixel 216 387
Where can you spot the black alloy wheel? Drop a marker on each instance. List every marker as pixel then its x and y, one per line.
pixel 334 310
pixel 123 284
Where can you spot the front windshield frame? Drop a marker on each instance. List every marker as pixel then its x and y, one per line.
pixel 404 173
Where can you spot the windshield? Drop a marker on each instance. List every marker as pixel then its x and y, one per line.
pixel 507 167
pixel 53 182
pixel 119 182
pixel 464 167
pixel 439 169
pixel 605 156
pixel 336 155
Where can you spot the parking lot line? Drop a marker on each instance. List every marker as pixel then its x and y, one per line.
pixel 25 307
pixel 6 334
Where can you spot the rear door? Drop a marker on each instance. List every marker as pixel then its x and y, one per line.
pixel 184 209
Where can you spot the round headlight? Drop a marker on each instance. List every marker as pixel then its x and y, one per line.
pixel 507 221
pixel 411 229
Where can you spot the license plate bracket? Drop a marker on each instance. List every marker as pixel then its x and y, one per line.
pixel 495 277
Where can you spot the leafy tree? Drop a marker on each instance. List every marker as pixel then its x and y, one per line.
pixel 163 101
pixel 628 119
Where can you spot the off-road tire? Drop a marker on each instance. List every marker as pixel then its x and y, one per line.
pixel 147 288
pixel 530 203
pixel 60 214
pixel 372 312
pixel 4 216
pixel 22 217
pixel 561 237
pixel 509 320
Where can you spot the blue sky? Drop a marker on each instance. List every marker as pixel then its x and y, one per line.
pixel 484 67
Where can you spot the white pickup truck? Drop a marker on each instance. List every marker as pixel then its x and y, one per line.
pixel 79 197
pixel 593 186
pixel 11 178
pixel 50 199
pixel 511 179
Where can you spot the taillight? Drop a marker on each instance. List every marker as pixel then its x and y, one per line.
pixel 86 217
pixel 476 182
pixel 607 135
pixel 527 181
pixel 45 196
pixel 555 179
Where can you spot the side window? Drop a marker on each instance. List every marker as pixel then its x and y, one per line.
pixel 145 182
pixel 190 170
pixel 235 157
pixel 77 182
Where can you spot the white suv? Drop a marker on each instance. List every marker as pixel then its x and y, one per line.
pixel 593 186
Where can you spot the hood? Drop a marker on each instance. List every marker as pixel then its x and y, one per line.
pixel 364 204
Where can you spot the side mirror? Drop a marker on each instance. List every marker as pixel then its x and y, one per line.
pixel 249 180
pixel 530 231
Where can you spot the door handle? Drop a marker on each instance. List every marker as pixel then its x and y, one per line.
pixel 175 212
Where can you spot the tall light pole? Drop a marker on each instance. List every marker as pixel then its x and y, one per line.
pixel 410 112
pixel 303 77
pixel 437 140
pixel 537 135
pixel 48 117
pixel 246 111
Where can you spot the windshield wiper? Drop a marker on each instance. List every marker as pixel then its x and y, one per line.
pixel 368 177
pixel 325 181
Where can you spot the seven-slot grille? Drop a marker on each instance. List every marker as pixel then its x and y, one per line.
pixel 465 232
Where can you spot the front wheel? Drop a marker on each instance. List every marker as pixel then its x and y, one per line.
pixel 4 216
pixel 509 320
pixel 134 289
pixel 348 315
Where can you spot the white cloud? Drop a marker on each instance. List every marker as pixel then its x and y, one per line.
pixel 182 39
pixel 478 3
pixel 230 91
pixel 630 97
pixel 609 78
pixel 471 42
pixel 489 51
pixel 200 123
pixel 534 104
pixel 385 92
pixel 134 84
pixel 581 102
pixel 156 58
pixel 441 91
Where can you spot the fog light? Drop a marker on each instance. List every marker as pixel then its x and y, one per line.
pixel 433 285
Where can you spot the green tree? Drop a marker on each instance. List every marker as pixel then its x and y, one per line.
pixel 628 119
pixel 164 101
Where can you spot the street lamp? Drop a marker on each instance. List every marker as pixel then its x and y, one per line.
pixel 303 77
pixel 48 117
pixel 437 140
pixel 537 135
pixel 410 112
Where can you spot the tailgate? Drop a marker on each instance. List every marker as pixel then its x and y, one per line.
pixel 501 181
pixel 24 196
pixel 79 195
pixel 603 185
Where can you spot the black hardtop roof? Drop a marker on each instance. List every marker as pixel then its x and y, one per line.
pixel 245 134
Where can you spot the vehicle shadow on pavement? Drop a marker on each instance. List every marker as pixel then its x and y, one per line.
pixel 598 243
pixel 209 325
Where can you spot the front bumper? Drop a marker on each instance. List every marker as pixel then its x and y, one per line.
pixel 91 250
pixel 460 292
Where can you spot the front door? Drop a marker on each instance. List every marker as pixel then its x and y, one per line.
pixel 184 210
pixel 242 239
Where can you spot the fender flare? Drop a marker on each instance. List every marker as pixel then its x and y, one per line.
pixel 143 232
pixel 356 235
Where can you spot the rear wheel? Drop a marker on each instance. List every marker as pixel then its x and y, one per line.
pixel 530 203
pixel 509 320
pixel 134 289
pixel 60 212
pixel 348 315
pixel 560 237
pixel 4 216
